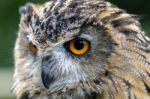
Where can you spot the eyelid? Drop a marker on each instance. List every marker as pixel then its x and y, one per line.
pixel 85 37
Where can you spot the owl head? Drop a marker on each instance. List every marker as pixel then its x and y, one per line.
pixel 64 43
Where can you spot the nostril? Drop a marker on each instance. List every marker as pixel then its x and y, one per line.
pixel 47 58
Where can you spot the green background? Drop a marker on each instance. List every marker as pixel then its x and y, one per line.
pixel 9 19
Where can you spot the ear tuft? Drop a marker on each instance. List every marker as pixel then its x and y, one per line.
pixel 26 13
pixel 27 9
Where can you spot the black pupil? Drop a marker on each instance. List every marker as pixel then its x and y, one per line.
pixel 79 45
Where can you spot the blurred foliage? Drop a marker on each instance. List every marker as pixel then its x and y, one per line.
pixel 9 19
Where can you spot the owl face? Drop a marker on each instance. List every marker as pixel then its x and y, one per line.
pixel 65 45
pixel 80 49
pixel 79 59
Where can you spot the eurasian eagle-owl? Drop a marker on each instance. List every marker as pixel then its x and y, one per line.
pixel 80 49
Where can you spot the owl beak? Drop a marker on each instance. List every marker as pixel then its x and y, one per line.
pixel 47 78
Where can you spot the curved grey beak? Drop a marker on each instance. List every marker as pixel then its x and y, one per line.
pixel 47 78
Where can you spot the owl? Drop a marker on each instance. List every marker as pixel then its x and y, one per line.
pixel 80 49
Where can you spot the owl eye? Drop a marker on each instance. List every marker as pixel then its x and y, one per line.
pixel 79 47
pixel 32 48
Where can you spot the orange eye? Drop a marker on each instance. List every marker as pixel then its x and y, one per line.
pixel 33 48
pixel 79 47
